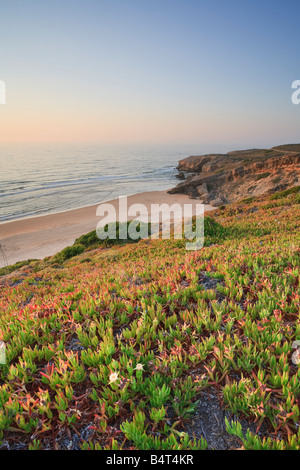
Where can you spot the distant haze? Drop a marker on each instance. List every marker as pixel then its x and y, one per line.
pixel 167 71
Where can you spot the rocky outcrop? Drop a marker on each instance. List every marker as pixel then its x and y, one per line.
pixel 200 163
pixel 180 176
pixel 223 178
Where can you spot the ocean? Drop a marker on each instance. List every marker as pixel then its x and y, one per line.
pixel 39 179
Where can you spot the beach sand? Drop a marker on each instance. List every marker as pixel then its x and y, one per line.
pixel 41 236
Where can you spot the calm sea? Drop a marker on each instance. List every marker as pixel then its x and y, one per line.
pixel 39 179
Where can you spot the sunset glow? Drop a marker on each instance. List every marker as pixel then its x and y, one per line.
pixel 116 71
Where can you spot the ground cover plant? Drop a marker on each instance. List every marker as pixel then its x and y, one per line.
pixel 131 346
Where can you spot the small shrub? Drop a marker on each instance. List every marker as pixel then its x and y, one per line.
pixel 91 240
pixel 214 232
pixel 262 175
pixel 14 267
pixel 69 252
pixel 286 192
pixel 248 200
pixel 276 180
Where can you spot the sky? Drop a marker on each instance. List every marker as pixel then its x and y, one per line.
pixel 152 71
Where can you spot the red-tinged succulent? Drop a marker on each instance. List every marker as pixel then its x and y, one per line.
pixel 138 334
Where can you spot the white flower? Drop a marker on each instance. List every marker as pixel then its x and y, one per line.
pixel 296 357
pixel 2 352
pixel 139 367
pixel 113 377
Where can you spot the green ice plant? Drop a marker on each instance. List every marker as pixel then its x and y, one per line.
pixel 251 441
pixel 136 336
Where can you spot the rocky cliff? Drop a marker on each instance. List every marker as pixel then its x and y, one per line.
pixel 218 179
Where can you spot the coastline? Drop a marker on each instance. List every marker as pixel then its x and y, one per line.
pixel 45 235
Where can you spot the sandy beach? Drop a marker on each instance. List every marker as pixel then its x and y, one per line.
pixel 41 236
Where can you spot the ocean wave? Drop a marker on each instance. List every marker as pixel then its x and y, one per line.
pixel 78 182
pixel 46 180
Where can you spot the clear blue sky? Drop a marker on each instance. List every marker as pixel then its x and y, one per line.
pixel 150 71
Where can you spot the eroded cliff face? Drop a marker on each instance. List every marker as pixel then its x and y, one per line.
pixel 223 178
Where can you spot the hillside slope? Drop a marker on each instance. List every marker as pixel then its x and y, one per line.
pixel 148 346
